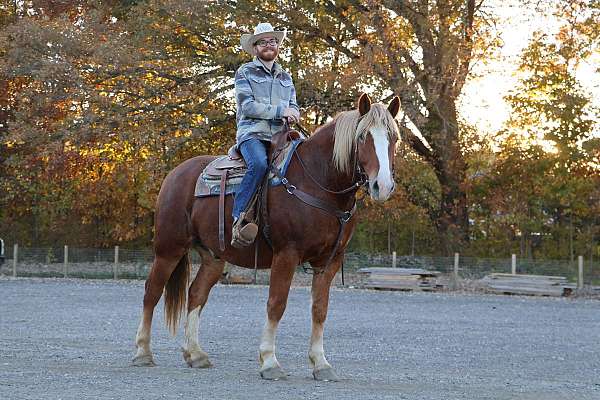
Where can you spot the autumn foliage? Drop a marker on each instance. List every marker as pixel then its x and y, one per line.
pixel 99 100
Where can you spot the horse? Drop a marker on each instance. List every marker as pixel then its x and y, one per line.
pixel 326 167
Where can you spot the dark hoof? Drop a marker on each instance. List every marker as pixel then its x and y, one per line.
pixel 326 374
pixel 200 361
pixel 143 361
pixel 273 374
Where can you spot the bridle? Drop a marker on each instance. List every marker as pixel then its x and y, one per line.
pixel 359 179
pixel 357 170
pixel 363 179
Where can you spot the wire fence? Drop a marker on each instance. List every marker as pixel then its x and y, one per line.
pixel 477 268
pixel 119 263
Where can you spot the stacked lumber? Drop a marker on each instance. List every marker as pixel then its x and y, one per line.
pixel 230 279
pixel 415 279
pixel 535 285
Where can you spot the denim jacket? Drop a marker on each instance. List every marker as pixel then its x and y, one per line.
pixel 261 97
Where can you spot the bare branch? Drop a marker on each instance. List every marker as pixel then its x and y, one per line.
pixel 466 50
pixel 420 24
pixel 417 145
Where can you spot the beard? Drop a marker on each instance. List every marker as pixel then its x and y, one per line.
pixel 267 54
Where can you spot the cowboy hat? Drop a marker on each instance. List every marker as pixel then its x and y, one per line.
pixel 263 29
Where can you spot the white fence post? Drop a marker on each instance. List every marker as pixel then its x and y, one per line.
pixel 115 266
pixel 66 261
pixel 15 256
pixel 456 258
pixel 513 268
pixel 580 272
pixel 394 259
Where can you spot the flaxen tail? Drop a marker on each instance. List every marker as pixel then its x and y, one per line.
pixel 175 293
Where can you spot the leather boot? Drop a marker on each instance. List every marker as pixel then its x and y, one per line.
pixel 243 233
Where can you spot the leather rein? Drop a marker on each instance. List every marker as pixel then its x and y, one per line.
pixel 342 216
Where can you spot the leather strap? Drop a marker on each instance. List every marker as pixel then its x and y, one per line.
pixel 361 179
pixel 312 200
pixel 264 212
pixel 222 211
pixel 278 144
pixel 342 216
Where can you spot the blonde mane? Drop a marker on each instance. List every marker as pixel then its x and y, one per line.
pixel 350 126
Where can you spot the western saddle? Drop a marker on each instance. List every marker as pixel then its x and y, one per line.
pixel 233 166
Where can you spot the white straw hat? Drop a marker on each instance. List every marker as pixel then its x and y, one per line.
pixel 263 29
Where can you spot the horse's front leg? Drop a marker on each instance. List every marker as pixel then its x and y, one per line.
pixel 282 271
pixel 322 370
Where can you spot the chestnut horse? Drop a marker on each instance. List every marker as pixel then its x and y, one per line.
pixel 362 139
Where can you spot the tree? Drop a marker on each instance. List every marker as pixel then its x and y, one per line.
pixel 419 49
pixel 545 167
pixel 102 99
pixel 110 105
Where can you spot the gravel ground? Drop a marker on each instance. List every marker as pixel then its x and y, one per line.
pixel 73 339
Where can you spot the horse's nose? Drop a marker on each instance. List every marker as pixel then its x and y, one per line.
pixel 375 190
pixel 381 190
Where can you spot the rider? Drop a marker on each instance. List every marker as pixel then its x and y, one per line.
pixel 265 95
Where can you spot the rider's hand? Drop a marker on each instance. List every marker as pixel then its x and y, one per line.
pixel 291 114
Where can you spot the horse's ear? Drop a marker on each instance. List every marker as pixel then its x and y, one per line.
pixel 394 106
pixel 364 104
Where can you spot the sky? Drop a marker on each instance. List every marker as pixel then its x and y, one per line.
pixel 482 103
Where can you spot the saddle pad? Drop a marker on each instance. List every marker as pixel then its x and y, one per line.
pixel 210 185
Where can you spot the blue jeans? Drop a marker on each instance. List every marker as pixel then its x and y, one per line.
pixel 254 152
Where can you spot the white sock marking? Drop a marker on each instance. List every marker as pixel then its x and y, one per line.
pixel 267 346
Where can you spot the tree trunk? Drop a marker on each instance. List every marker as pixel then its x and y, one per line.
pixel 451 219
pixel 452 223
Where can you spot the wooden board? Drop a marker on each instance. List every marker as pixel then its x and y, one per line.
pixel 415 279
pixel 398 271
pixel 497 275
pixel 535 285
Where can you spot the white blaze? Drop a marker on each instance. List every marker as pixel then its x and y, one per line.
pixel 384 175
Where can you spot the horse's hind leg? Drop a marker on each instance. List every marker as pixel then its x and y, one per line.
pixel 209 273
pixel 162 269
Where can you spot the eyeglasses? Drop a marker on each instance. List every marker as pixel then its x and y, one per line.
pixel 265 43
